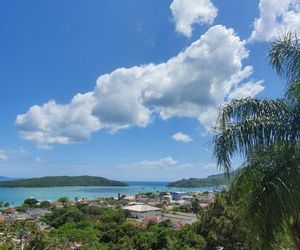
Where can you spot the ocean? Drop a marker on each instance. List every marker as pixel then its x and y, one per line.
pixel 16 196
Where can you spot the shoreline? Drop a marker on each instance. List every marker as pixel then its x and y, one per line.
pixel 16 196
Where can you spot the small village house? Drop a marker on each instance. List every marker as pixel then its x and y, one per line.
pixel 143 211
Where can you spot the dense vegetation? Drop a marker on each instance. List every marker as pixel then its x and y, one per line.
pixel 62 181
pixel 210 181
pixel 267 133
pixel 110 229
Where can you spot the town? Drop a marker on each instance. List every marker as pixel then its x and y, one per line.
pixel 144 209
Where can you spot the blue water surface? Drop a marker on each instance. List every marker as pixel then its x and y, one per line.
pixel 15 196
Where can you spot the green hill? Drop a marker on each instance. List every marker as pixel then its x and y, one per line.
pixel 210 181
pixel 62 181
pixel 4 178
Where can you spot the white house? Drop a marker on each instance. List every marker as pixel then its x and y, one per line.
pixel 143 211
pixel 167 198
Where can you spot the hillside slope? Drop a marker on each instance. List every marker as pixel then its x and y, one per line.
pixel 62 181
pixel 210 181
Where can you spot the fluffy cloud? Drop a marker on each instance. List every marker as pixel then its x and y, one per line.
pixel 189 12
pixel 248 89
pixel 3 155
pixel 180 137
pixel 165 169
pixel 163 163
pixel 276 17
pixel 9 154
pixel 192 84
pixel 53 123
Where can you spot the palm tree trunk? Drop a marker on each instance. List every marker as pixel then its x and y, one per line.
pixel 296 235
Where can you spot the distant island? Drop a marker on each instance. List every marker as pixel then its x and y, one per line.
pixel 4 178
pixel 210 181
pixel 62 181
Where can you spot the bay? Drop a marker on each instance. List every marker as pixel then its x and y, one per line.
pixel 16 196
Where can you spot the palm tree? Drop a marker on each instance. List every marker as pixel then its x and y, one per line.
pixel 268 193
pixel 267 134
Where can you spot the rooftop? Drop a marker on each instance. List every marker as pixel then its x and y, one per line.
pixel 141 208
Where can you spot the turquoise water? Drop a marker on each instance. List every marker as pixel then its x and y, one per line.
pixel 16 196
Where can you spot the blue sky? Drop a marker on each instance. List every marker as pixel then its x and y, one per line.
pixel 151 75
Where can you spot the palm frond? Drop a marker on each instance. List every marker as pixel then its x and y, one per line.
pixel 246 124
pixel 293 94
pixel 268 189
pixel 238 109
pixel 284 56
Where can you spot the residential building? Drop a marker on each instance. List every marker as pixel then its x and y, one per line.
pixel 143 211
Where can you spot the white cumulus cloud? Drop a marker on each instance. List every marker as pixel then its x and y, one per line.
pixel 180 137
pixel 276 17
pixel 186 13
pixel 54 123
pixel 248 89
pixel 192 84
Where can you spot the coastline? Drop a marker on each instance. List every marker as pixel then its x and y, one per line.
pixel 15 196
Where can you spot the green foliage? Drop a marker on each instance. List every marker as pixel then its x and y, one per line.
pixel 45 204
pixel 6 204
pixel 221 225
pixel 191 238
pixel 23 208
pixel 63 200
pixel 284 56
pixel 110 229
pixel 77 232
pixel 7 246
pixel 244 125
pixel 42 241
pixel 267 133
pixel 147 195
pixel 58 217
pixel 62 181
pixel 210 181
pixel 268 192
pixel 29 234
pixel 31 202
pixel 182 209
pixel 195 205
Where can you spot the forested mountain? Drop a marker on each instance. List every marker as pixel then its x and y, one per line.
pixel 62 181
pixel 210 181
